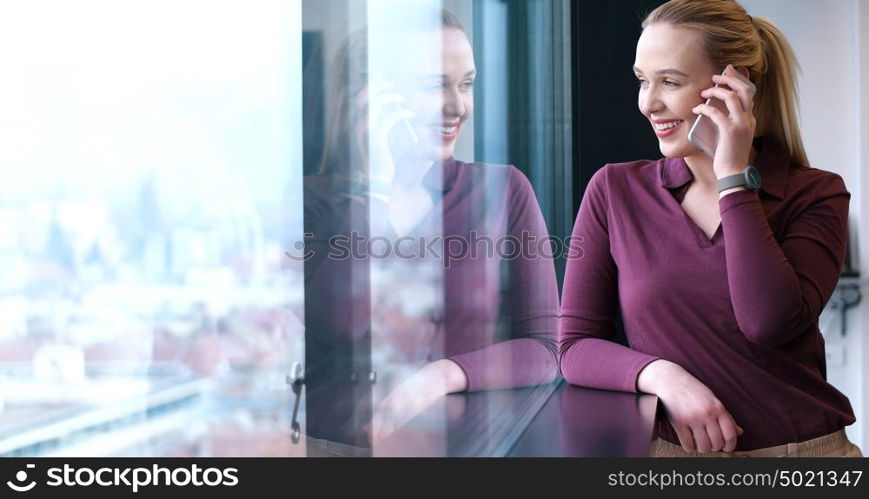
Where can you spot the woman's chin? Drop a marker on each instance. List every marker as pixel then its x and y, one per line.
pixel 676 151
pixel 447 152
pixel 435 153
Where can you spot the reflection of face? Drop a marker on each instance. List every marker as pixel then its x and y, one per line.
pixel 439 90
pixel 672 70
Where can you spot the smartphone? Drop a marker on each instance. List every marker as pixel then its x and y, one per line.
pixel 402 134
pixel 405 132
pixel 704 134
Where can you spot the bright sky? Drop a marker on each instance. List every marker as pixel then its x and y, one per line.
pixel 97 93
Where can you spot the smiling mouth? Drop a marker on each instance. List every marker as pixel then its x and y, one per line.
pixel 661 127
pixel 447 129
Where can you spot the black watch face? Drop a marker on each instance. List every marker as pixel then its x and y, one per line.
pixel 752 177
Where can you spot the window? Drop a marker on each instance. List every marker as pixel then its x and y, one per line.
pixel 153 237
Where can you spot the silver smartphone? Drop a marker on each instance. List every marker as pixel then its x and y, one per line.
pixel 406 130
pixel 402 135
pixel 704 134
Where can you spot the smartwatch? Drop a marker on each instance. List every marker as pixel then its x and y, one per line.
pixel 748 178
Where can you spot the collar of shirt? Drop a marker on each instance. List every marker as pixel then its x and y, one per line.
pixel 772 163
pixel 442 175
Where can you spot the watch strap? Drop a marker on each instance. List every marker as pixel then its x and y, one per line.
pixel 731 181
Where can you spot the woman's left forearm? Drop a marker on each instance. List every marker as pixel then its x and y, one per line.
pixel 509 364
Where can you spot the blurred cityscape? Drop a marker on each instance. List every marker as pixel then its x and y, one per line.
pixel 117 316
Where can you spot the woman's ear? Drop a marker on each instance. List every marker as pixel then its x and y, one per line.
pixel 743 72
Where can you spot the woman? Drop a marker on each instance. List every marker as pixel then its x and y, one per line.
pixel 389 172
pixel 720 285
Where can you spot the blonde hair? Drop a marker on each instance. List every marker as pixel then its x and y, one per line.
pixel 731 36
pixel 349 77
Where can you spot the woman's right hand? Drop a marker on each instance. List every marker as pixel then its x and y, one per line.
pixel 701 421
pixel 385 112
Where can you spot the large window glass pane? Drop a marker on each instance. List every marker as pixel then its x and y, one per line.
pixel 431 267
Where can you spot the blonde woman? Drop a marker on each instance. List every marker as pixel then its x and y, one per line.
pixel 720 266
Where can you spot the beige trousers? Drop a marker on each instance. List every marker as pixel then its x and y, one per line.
pixel 833 445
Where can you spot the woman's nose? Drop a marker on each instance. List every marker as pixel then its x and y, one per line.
pixel 650 101
pixel 454 104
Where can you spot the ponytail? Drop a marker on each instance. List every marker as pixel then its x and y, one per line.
pixel 776 100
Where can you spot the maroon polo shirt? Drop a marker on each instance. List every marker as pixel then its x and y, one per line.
pixel 500 302
pixel 738 311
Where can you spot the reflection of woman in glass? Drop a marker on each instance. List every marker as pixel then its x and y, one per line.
pixel 720 284
pixel 389 171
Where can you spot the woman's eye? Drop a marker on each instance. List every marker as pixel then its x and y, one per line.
pixel 432 84
pixel 468 84
pixel 643 83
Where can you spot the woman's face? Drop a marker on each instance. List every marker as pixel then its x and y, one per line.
pixel 438 87
pixel 672 71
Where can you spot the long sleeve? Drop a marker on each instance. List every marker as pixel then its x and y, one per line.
pixel 337 285
pixel 528 357
pixel 779 287
pixel 337 314
pixel 590 301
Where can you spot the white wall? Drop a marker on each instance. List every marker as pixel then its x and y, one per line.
pixel 861 109
pixel 829 38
